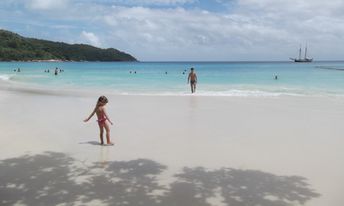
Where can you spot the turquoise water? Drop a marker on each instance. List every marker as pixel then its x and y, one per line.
pixel 214 78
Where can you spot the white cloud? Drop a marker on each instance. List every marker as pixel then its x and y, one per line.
pixel 180 33
pixel 164 1
pixel 90 38
pixel 251 29
pixel 301 9
pixel 154 2
pixel 46 4
pixel 258 30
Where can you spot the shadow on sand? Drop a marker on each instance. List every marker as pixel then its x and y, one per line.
pixel 91 143
pixel 54 178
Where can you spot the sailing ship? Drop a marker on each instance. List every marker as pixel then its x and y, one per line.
pixel 302 60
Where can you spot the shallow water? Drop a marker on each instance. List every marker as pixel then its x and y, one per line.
pixel 170 78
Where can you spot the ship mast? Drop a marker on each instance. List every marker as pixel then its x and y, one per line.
pixel 300 58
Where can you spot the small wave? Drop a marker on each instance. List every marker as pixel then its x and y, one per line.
pixel 330 68
pixel 5 77
pixel 242 93
pixel 230 93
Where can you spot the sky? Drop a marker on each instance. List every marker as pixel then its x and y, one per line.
pixel 186 30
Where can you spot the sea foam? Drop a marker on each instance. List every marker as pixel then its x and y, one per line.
pixel 5 77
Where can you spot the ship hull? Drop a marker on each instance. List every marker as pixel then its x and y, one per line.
pixel 303 60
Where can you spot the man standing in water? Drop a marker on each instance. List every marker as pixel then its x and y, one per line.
pixel 192 78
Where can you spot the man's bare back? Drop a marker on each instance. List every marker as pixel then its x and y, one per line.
pixel 192 78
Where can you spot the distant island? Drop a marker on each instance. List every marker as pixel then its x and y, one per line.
pixel 14 47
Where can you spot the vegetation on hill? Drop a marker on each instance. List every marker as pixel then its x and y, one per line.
pixel 14 47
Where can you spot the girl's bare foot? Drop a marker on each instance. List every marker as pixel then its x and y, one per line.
pixel 110 144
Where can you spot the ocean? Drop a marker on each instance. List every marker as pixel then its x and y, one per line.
pixel 170 78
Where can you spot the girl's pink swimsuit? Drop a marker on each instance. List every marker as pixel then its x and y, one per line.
pixel 102 119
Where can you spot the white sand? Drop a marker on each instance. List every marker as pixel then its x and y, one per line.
pixel 257 138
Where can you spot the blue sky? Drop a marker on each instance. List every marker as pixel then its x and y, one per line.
pixel 197 30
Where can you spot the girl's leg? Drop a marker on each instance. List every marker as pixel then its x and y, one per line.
pixel 107 128
pixel 101 132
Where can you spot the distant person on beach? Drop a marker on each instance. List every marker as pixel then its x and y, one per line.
pixel 192 78
pixel 18 70
pixel 56 71
pixel 103 118
pixel 276 77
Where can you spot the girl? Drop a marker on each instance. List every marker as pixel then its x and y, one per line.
pixel 102 119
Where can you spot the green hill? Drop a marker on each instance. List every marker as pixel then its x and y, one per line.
pixel 14 47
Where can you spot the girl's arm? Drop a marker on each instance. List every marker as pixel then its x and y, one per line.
pixel 107 117
pixel 91 115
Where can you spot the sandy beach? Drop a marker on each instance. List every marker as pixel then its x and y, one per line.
pixel 171 150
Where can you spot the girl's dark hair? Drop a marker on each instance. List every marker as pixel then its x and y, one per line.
pixel 102 99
